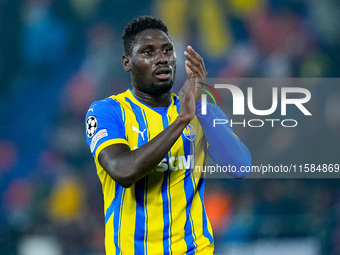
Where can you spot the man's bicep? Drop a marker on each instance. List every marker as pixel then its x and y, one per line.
pixel 113 160
pixel 111 153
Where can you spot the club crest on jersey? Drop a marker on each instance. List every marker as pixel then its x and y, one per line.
pixel 190 132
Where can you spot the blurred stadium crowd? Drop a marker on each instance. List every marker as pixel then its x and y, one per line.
pixel 56 57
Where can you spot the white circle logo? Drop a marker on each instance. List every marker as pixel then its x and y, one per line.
pixel 190 132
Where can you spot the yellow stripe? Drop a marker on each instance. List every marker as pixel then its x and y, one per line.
pixel 178 198
pixel 196 214
pixel 109 246
pixel 154 191
pixel 193 227
pixel 193 230
pixel 170 213
pixel 108 143
pixel 146 124
pixel 120 219
pixel 124 117
pixel 128 221
pixel 146 214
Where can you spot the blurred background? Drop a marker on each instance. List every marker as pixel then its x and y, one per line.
pixel 57 57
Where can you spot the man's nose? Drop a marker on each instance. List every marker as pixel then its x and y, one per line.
pixel 161 58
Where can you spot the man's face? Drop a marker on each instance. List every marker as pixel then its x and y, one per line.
pixel 152 62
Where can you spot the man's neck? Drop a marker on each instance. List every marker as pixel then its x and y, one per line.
pixel 162 100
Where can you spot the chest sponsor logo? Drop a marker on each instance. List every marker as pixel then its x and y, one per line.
pixel 176 163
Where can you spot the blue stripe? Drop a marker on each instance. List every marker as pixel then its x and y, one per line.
pixel 140 217
pixel 140 189
pixel 189 193
pixel 120 218
pixel 139 117
pixel 166 196
pixel 109 210
pixel 206 232
pixel 170 230
pixel 147 215
pixel 116 216
pixel 166 222
pixel 146 124
pixel 117 107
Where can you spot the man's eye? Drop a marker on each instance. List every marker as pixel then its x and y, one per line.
pixel 147 52
pixel 167 50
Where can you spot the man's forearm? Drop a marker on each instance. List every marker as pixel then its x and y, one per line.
pixel 129 166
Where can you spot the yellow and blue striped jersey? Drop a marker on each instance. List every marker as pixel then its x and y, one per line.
pixel 162 213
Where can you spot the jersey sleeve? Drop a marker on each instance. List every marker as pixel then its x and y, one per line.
pixel 104 125
pixel 225 148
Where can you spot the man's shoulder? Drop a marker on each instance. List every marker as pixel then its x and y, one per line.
pixel 120 96
pixel 103 105
pixel 112 101
pixel 108 106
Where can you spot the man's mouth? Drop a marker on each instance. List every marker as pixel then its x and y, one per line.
pixel 163 73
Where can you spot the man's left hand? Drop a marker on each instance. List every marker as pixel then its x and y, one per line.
pixel 195 65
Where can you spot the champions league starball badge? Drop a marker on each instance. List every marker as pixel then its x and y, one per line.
pixel 91 126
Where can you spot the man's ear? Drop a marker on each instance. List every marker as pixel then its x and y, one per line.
pixel 126 63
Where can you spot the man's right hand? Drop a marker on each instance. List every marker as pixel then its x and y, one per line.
pixel 187 99
pixel 195 65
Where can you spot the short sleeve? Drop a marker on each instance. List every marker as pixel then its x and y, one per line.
pixel 104 125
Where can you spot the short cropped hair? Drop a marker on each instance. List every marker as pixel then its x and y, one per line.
pixel 138 25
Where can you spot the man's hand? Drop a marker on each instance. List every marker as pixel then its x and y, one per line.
pixel 195 66
pixel 187 99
